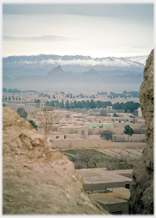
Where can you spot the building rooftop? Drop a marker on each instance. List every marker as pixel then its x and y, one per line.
pixel 100 178
pixel 73 127
pixel 119 193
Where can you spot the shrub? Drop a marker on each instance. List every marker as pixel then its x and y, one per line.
pixel 115 115
pixel 79 166
pixel 33 124
pixel 85 157
pixel 106 135
pixel 73 159
pixel 21 112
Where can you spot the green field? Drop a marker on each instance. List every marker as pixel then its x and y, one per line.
pixel 93 152
pixel 91 158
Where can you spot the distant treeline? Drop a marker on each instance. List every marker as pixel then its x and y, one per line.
pixel 17 91
pixel 70 95
pixel 111 95
pixel 125 94
pixel 11 90
pixel 128 106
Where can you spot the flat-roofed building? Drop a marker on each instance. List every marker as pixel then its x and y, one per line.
pixel 109 188
pixel 78 130
pixel 98 125
pixel 114 200
pixel 100 179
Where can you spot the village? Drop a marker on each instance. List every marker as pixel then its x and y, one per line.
pixel 79 131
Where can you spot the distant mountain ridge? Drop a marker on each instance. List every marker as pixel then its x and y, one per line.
pixel 14 66
pixel 90 72
pixel 58 72
pixel 73 73
pixel 59 80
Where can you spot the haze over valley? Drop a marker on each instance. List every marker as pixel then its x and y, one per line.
pixel 73 73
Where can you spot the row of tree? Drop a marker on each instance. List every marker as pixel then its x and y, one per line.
pixel 70 95
pixel 130 105
pixel 11 90
pixel 9 98
pixel 125 94
pixel 79 104
pixel 17 91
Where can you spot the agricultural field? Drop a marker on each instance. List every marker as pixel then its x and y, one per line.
pixel 91 158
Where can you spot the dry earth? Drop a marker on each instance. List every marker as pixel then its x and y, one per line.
pixel 38 179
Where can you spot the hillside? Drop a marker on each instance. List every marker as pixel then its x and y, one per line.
pixel 38 179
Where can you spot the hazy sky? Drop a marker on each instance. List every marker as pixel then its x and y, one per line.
pixel 97 30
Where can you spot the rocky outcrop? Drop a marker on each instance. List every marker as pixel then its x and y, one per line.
pixel 141 198
pixel 38 179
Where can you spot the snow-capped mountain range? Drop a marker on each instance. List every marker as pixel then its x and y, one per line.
pixel 73 73
pixel 14 66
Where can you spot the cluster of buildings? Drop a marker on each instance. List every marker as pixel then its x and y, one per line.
pixel 72 124
pixel 108 188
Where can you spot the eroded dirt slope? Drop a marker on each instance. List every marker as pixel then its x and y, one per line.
pixel 36 178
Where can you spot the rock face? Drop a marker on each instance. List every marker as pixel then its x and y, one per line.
pixel 38 179
pixel 141 198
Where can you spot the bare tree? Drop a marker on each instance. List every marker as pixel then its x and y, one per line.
pixel 103 112
pixel 85 157
pixel 47 118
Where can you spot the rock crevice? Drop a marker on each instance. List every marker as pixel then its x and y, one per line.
pixel 141 198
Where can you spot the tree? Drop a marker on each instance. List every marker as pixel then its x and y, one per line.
pixel 106 135
pixel 128 130
pixel 46 118
pixel 62 104
pixel 33 124
pixel 5 90
pixel 92 104
pixel 85 157
pixel 79 104
pixel 67 96
pixel 37 101
pixel 67 106
pixel 21 112
pixel 115 115
pixel 99 104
